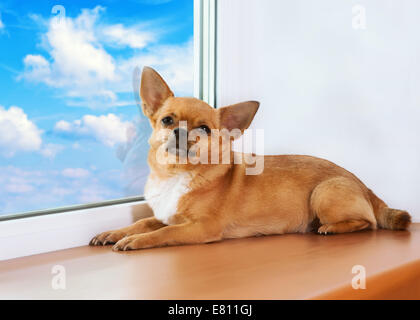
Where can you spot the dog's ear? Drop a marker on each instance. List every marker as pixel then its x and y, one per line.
pixel 153 91
pixel 238 116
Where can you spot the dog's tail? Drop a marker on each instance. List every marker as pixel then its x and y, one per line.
pixel 388 218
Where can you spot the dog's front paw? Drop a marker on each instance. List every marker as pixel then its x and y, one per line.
pixel 127 243
pixel 108 237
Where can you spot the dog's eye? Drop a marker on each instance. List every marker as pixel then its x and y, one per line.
pixel 205 129
pixel 167 121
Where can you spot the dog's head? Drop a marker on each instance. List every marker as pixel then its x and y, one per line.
pixel 184 128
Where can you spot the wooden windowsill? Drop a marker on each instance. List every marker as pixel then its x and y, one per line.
pixel 291 266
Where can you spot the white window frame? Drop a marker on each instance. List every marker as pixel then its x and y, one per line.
pixel 57 229
pixel 205 40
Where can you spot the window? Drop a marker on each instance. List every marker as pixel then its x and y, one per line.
pixel 71 131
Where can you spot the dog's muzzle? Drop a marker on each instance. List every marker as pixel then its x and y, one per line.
pixel 178 142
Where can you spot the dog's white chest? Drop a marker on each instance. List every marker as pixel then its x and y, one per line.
pixel 163 195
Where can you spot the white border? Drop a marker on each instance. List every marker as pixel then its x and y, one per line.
pixel 58 231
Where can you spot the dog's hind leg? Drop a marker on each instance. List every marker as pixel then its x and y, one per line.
pixel 341 205
pixel 344 226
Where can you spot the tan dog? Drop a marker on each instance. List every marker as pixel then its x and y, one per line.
pixel 201 203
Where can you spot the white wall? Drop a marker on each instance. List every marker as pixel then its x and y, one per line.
pixel 326 89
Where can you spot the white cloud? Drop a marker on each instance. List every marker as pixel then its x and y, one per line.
pixel 18 188
pixel 173 62
pixel 108 129
pixel 26 189
pixel 20 134
pixel 77 62
pixel 90 195
pixel 77 58
pixel 75 51
pixel 40 68
pixel 75 173
pixel 132 37
pixel 50 150
pixel 1 24
pixel 64 126
pixel 17 132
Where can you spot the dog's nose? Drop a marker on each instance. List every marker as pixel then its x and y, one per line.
pixel 176 132
pixel 179 132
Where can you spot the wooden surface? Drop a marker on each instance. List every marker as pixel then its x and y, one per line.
pixel 275 267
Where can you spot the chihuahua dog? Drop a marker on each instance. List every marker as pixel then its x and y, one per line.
pixel 206 201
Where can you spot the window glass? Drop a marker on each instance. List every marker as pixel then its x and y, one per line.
pixel 71 131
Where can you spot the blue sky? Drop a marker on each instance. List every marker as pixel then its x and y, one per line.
pixel 70 130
